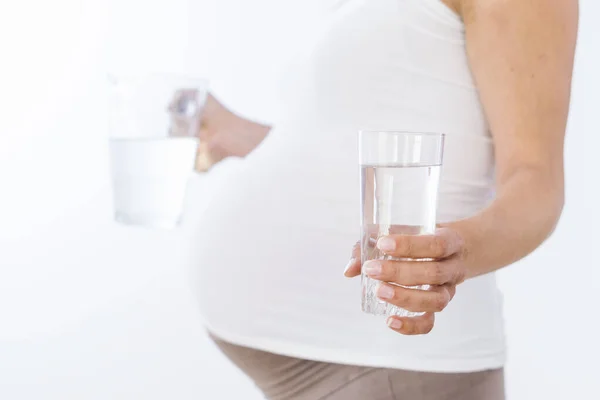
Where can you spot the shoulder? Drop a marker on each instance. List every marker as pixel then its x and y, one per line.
pixel 468 9
pixel 454 5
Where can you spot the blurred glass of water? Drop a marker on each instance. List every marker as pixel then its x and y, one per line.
pixel 154 120
pixel 400 173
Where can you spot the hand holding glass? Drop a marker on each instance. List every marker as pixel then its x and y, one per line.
pixel 400 174
pixel 153 142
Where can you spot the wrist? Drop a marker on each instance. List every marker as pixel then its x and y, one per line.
pixel 248 135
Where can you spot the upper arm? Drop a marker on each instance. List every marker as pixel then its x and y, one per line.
pixel 521 54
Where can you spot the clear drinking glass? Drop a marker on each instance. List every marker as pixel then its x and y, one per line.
pixel 400 174
pixel 153 124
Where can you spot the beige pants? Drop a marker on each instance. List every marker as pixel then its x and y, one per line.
pixel 284 378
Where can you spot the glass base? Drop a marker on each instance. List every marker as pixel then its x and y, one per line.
pixel 371 304
pixel 148 221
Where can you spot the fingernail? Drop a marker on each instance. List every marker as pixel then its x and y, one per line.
pixel 386 243
pixel 394 323
pixel 373 268
pixel 385 292
pixel 350 264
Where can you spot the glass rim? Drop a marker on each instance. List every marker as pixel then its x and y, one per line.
pixel 402 133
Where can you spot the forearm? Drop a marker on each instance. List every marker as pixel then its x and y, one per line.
pixel 521 55
pixel 523 215
pixel 224 134
pixel 249 134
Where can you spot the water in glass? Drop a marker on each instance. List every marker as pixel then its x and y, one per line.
pixel 396 199
pixel 150 177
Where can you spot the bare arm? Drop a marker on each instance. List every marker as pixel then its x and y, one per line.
pixel 521 54
pixel 225 134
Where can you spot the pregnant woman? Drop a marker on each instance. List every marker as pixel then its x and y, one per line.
pixel 494 75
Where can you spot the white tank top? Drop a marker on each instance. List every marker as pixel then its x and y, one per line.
pixel 271 248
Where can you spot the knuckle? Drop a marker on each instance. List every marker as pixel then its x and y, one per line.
pixel 403 246
pixel 428 323
pixel 459 273
pixel 388 271
pixel 438 246
pixel 422 303
pixel 427 328
pixel 396 294
pixel 410 328
pixel 435 273
pixel 398 273
pixel 451 292
pixel 427 302
pixel 401 297
pixel 459 276
pixel 440 302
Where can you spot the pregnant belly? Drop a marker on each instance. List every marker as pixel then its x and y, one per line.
pixel 269 251
pixel 277 235
pixel 289 182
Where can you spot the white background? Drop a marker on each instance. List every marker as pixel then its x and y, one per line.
pixel 92 310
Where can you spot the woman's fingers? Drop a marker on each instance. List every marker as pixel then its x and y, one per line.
pixel 433 300
pixel 412 325
pixel 441 267
pixel 353 267
pixel 443 244
pixel 414 273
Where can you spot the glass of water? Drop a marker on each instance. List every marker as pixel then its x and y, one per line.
pixel 153 125
pixel 400 173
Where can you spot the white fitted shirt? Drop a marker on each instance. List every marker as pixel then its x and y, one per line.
pixel 270 250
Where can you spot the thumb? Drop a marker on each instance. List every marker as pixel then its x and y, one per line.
pixel 354 265
pixel 204 161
